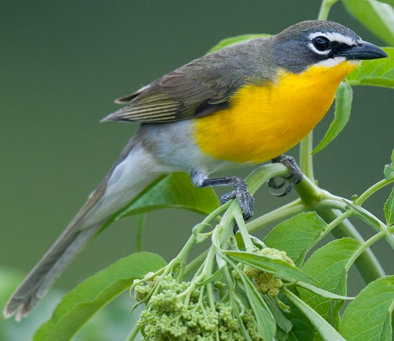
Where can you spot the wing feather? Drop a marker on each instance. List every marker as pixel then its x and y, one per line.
pixel 201 87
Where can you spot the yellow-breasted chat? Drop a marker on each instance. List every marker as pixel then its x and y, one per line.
pixel 244 104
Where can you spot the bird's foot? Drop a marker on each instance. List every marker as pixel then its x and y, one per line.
pixel 295 175
pixel 244 198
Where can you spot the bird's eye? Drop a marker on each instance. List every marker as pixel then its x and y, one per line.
pixel 321 43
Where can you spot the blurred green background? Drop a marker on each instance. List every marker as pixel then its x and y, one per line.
pixel 62 65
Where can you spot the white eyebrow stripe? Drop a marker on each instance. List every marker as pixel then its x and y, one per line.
pixel 334 37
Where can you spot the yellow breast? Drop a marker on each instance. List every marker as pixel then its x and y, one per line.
pixel 265 121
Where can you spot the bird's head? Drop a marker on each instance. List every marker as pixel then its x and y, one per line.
pixel 323 43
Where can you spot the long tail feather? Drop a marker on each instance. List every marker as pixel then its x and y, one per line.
pixel 45 273
pixel 134 170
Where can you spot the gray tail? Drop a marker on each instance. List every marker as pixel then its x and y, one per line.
pixel 45 273
pixel 134 171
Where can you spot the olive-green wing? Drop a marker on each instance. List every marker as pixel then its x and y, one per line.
pixel 199 88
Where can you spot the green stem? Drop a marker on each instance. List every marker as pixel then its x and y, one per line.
pixel 210 297
pixel 306 158
pixel 339 219
pixel 367 264
pixel 371 190
pixel 345 204
pixel 364 247
pixel 182 256
pixel 180 259
pixel 224 229
pixel 309 192
pixel 207 271
pixel 262 174
pixel 280 213
pixel 325 9
pixel 195 263
pixel 323 202
pixel 331 204
pixel 217 212
pixel 249 246
pixel 133 334
pixel 338 202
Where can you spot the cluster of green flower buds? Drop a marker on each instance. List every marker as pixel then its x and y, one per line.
pixel 172 315
pixel 143 287
pixel 264 282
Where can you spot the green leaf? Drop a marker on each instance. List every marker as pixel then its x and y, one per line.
pixel 297 235
pixel 343 106
pixel 264 317
pixel 322 326
pixel 236 39
pixel 328 266
pixel 389 208
pixel 378 72
pixel 277 267
pixel 282 322
pixel 366 218
pixel 172 191
pixel 302 329
pixel 80 304
pixel 389 169
pixel 322 292
pixel 368 317
pixel 375 16
pixel 388 172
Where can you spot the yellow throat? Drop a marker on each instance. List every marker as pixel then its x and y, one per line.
pixel 265 121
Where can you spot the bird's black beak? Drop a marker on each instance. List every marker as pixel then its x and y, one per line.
pixel 364 50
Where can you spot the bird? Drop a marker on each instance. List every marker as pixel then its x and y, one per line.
pixel 244 104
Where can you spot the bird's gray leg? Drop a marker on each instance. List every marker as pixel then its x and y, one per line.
pixel 295 174
pixel 245 199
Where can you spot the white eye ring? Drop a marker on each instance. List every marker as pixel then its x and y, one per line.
pixel 314 49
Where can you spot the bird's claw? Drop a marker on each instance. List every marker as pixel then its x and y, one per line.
pixel 287 189
pixel 272 183
pixel 244 198
pixel 227 197
pixel 296 175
